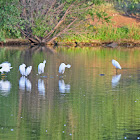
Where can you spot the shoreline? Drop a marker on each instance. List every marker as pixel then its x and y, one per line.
pixel 95 43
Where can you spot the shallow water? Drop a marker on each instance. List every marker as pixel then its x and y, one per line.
pixel 90 102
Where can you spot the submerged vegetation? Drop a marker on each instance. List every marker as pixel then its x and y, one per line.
pixel 66 21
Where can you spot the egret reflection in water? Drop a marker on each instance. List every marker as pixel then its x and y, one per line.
pixel 41 87
pixel 5 87
pixel 25 83
pixel 22 83
pixel 63 88
pixel 115 80
pixel 28 84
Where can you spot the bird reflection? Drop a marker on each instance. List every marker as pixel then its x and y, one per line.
pixel 22 83
pixel 41 87
pixel 63 88
pixel 115 80
pixel 28 84
pixel 5 87
pixel 25 83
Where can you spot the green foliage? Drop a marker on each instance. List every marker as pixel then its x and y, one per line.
pixel 128 6
pixel 114 33
pixel 10 16
pixel 104 33
pixel 41 24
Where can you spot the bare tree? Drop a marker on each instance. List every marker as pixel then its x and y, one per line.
pixel 42 21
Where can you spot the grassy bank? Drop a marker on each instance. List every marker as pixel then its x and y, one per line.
pixel 122 25
pixel 104 33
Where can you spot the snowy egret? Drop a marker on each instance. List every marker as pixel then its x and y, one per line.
pixel 25 71
pixel 28 70
pixel 116 64
pixel 41 67
pixel 22 69
pixel 62 67
pixel 6 66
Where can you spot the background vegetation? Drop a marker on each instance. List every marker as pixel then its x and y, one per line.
pixel 45 21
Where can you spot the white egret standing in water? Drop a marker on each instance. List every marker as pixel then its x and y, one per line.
pixel 41 67
pixel 22 69
pixel 6 66
pixel 5 69
pixel 28 70
pixel 62 67
pixel 116 64
pixel 25 71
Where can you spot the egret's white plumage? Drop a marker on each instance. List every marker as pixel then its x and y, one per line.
pixel 41 67
pixel 62 67
pixel 28 70
pixel 116 64
pixel 6 66
pixel 25 71
pixel 22 69
pixel 5 69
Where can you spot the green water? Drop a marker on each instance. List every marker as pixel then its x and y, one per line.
pixel 91 102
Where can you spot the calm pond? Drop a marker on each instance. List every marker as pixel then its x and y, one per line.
pixel 90 102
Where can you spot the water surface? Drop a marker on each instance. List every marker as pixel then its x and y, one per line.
pixel 90 102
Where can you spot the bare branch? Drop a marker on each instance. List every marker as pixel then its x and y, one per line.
pixel 53 3
pixel 63 31
pixel 59 23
